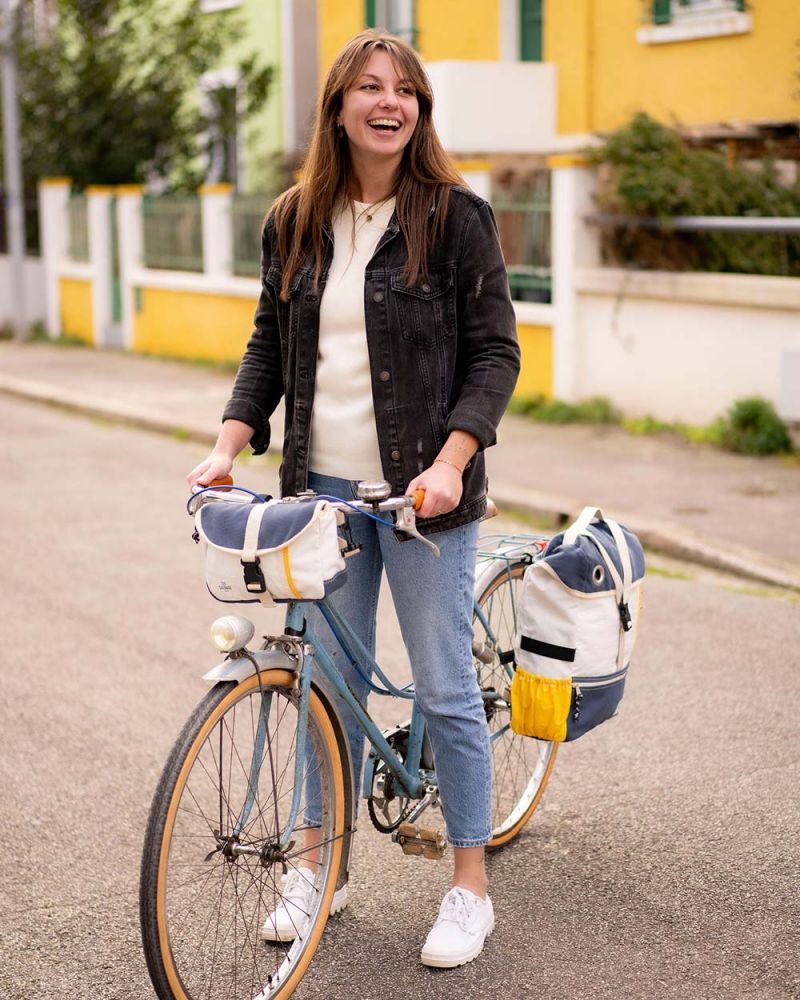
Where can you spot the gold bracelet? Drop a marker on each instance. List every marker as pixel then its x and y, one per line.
pixel 447 461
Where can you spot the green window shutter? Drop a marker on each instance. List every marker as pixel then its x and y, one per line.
pixel 369 13
pixel 661 11
pixel 530 33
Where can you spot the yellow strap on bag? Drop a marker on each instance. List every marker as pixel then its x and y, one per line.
pixel 540 705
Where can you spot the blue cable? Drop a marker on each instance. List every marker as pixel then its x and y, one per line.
pixel 260 498
pixel 205 489
pixel 380 520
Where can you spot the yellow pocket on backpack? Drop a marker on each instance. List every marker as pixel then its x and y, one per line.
pixel 540 705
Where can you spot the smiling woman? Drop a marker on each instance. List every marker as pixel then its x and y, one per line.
pixel 385 319
pixel 379 115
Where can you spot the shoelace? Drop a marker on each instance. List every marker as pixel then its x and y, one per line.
pixel 458 907
pixel 296 887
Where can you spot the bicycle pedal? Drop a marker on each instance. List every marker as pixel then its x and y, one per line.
pixel 417 840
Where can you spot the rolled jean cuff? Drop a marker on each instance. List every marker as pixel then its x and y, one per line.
pixel 480 842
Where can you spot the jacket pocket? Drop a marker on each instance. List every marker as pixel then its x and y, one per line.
pixel 426 311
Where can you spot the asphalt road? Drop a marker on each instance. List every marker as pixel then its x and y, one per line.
pixel 662 862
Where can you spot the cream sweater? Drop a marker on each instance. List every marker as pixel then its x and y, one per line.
pixel 344 439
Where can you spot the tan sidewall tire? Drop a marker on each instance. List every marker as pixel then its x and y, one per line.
pixel 270 678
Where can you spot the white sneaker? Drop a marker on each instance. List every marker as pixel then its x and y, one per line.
pixel 464 922
pixel 289 919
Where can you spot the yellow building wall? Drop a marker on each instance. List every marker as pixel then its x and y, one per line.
pixel 338 21
pixel 455 29
pixel 446 29
pixel 536 374
pixel 606 75
pixel 75 298
pixel 191 324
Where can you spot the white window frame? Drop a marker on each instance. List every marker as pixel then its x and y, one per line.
pixel 703 19
pixel 209 6
pixel 227 77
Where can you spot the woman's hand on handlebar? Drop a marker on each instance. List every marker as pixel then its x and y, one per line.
pixel 210 470
pixel 443 488
pixel 233 436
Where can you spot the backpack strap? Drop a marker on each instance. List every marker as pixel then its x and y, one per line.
pixel 581 523
pixel 622 584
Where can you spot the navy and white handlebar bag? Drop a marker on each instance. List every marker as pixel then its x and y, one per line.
pixel 273 551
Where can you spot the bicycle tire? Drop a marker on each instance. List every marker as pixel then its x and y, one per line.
pixel 521 766
pixel 201 910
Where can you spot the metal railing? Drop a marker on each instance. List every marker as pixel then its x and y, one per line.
pixel 173 232
pixel 31 213
pixel 77 228
pixel 248 211
pixel 765 245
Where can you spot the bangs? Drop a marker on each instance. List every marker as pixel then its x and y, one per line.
pixel 406 62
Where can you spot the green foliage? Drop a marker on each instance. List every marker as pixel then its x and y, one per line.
pixel 648 424
pixel 596 410
pixel 111 96
pixel 650 171
pixel 751 426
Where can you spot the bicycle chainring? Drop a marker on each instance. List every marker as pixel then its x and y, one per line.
pixel 388 805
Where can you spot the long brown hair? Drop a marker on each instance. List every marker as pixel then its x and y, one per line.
pixel 423 182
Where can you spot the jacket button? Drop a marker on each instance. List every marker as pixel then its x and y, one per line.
pixel 395 456
pixel 377 297
pixel 384 376
pixel 304 373
pixel 311 297
pixel 426 288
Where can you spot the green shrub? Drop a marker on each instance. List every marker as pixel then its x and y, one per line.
pixel 595 410
pixel 752 427
pixel 648 170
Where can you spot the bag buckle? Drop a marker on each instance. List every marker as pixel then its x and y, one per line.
pixel 253 577
pixel 625 616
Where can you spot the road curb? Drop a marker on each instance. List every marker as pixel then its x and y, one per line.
pixel 658 536
pixel 663 537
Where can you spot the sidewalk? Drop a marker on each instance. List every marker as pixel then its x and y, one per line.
pixel 721 510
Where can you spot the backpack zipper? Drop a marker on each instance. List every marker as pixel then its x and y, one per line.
pixel 579 683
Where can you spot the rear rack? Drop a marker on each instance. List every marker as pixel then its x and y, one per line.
pixel 511 546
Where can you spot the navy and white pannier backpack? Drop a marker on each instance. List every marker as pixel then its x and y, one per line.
pixel 576 627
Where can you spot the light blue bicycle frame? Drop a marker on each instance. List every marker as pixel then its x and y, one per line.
pixel 407 772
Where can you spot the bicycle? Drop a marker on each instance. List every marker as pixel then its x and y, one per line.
pixel 226 816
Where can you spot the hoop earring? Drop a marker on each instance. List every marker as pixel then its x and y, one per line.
pixel 339 130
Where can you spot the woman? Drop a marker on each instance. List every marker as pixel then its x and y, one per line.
pixel 385 321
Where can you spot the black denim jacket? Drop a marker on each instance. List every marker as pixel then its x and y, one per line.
pixel 443 353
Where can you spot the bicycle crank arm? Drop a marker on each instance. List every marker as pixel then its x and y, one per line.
pixel 418 840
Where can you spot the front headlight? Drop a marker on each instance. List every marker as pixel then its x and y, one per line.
pixel 232 633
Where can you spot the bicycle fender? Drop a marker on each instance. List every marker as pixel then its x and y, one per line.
pixel 239 668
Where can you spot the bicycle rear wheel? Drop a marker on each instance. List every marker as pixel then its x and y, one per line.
pixel 521 765
pixel 212 866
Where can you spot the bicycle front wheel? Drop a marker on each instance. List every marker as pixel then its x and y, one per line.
pixel 521 765
pixel 213 862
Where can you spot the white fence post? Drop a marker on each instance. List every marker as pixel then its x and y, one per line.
pixel 130 231
pixel 574 244
pixel 54 237
pixel 98 220
pixel 217 205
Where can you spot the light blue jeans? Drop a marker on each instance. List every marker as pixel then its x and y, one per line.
pixel 434 602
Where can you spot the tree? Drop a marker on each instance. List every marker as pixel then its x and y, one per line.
pixel 109 95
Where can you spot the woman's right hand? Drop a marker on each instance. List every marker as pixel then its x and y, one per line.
pixel 233 436
pixel 214 467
